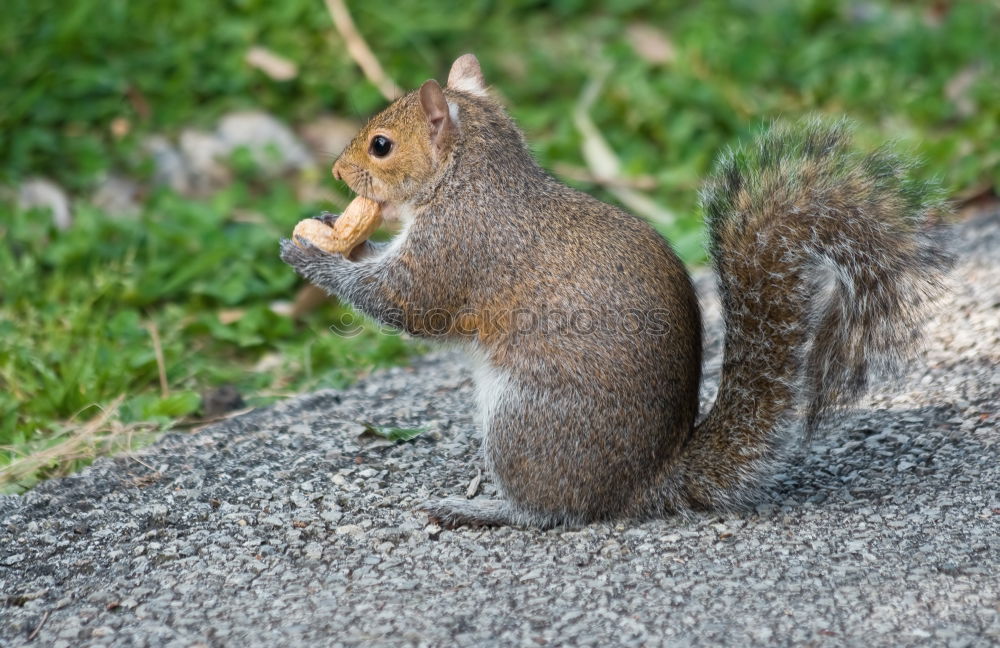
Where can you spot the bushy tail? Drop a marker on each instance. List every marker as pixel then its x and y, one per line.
pixel 825 259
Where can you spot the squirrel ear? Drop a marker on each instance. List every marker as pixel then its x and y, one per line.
pixel 466 75
pixel 436 110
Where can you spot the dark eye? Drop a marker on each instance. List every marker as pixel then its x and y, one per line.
pixel 380 146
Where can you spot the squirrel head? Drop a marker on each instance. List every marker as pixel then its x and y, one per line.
pixel 405 147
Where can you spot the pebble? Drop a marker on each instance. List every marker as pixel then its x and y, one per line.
pixel 117 196
pixel 327 136
pixel 169 167
pixel 274 146
pixel 45 194
pixel 205 160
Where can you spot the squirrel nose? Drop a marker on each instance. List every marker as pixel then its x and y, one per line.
pixel 336 170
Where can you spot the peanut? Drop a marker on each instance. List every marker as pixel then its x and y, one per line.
pixel 359 220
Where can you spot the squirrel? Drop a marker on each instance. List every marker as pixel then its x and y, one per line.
pixel 584 326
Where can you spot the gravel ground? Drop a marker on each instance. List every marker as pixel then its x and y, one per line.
pixel 292 526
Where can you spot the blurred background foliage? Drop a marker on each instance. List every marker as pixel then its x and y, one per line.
pixel 680 81
pixel 924 72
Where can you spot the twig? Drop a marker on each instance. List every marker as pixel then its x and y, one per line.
pixel 580 174
pixel 34 633
pixel 603 162
pixel 196 425
pixel 154 333
pixel 139 461
pixel 358 50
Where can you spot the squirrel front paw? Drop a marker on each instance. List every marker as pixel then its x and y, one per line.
pixel 310 261
pixel 298 252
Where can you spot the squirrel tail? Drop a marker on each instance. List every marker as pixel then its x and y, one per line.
pixel 825 260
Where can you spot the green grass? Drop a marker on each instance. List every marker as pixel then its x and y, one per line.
pixel 77 307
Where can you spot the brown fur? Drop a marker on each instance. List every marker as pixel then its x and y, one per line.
pixel 590 424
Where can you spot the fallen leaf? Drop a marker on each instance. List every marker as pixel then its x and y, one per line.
pixel 651 44
pixel 473 488
pixel 273 65
pixel 230 315
pixel 120 127
pixel 393 433
pixel 138 101
pixel 281 307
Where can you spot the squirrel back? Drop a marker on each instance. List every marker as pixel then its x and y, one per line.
pixel 585 324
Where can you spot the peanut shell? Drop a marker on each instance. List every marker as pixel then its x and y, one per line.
pixel 359 220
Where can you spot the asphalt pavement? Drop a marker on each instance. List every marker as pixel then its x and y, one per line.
pixel 295 526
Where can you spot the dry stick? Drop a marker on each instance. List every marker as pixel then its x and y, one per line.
pixel 580 174
pixel 603 162
pixel 358 49
pixel 154 333
pixel 34 633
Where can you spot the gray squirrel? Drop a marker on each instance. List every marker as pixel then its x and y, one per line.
pixel 825 259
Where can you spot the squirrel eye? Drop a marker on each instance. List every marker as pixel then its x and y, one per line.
pixel 380 146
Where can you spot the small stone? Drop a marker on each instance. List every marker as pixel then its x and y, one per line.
pixel 327 137
pixel 221 400
pixel 169 168
pixel 349 529
pixel 314 551
pixel 117 196
pixel 204 159
pixel 274 147
pixel 45 194
pixel 331 516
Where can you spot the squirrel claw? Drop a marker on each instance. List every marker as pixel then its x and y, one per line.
pixel 327 218
pixel 300 253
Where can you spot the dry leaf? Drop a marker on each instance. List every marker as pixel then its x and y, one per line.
pixel 120 127
pixel 139 102
pixel 281 307
pixel 651 44
pixel 273 65
pixel 230 315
